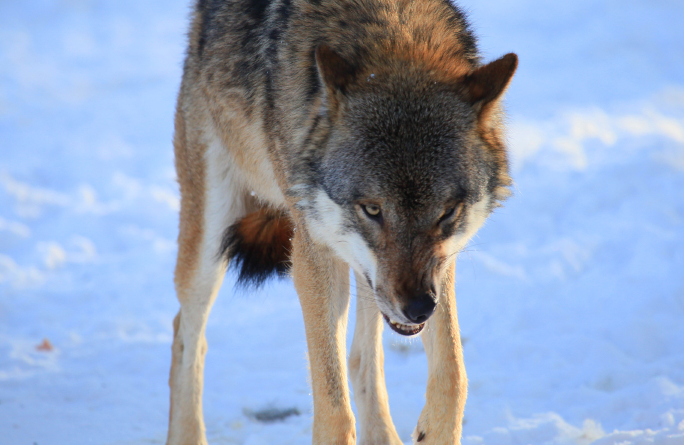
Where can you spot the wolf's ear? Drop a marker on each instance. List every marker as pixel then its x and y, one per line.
pixel 336 72
pixel 487 83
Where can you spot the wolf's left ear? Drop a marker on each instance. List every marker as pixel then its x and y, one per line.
pixel 487 83
pixel 336 72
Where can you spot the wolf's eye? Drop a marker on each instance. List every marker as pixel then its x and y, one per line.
pixel 371 210
pixel 451 212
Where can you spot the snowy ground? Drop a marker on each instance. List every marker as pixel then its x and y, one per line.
pixel 571 299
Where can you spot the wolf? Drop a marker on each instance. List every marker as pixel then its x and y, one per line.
pixel 317 136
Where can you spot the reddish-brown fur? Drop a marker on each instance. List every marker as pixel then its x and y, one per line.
pixel 268 229
pixel 190 171
pixel 260 244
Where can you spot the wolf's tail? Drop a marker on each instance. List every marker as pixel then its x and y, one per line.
pixel 258 246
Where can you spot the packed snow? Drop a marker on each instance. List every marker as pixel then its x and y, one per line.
pixel 571 298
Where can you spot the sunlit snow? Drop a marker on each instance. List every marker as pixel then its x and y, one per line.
pixel 571 298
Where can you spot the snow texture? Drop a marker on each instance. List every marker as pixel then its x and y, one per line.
pixel 571 298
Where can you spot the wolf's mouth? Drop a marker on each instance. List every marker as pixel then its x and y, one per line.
pixel 404 329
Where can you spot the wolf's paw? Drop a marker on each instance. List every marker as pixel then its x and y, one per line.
pixel 418 435
pixel 424 435
pixel 380 435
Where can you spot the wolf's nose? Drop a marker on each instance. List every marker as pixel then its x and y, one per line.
pixel 420 308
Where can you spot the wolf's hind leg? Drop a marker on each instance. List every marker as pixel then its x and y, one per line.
pixel 211 200
pixel 186 424
pixel 322 283
pixel 366 369
pixel 441 421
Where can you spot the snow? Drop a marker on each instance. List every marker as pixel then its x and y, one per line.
pixel 571 298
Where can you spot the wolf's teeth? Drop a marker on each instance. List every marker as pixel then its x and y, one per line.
pixel 403 328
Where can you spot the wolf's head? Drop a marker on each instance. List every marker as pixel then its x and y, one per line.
pixel 411 164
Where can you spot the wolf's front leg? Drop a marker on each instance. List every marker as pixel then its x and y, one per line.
pixel 440 422
pixel 366 369
pixel 322 282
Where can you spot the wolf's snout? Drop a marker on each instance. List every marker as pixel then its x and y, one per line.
pixel 419 309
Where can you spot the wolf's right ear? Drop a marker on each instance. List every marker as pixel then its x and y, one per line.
pixel 486 84
pixel 336 72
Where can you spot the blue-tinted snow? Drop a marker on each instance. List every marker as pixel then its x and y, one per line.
pixel 571 298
